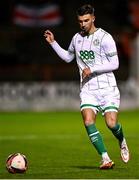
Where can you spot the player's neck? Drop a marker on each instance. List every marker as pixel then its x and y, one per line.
pixel 93 29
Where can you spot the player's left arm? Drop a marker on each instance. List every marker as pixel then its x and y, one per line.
pixel 112 61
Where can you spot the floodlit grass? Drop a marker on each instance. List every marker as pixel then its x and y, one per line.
pixel 57 146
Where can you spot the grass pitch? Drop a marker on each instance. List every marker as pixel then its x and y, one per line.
pixel 57 146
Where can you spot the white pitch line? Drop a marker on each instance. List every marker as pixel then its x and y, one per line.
pixel 34 137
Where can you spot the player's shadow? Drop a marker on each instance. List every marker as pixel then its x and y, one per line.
pixel 85 167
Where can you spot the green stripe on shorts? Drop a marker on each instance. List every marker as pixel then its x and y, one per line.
pixel 85 105
pixel 110 107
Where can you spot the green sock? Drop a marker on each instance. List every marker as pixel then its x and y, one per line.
pixel 96 138
pixel 117 132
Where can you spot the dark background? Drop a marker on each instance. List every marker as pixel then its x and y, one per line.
pixel 26 56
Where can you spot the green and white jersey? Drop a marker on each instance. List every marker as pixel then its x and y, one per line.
pixel 96 51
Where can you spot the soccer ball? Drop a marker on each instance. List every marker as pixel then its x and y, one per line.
pixel 16 163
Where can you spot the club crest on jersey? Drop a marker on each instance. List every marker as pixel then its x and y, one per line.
pixel 96 42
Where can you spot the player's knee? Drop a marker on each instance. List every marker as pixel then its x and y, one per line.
pixel 88 121
pixel 111 122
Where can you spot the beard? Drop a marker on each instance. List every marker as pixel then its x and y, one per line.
pixel 84 32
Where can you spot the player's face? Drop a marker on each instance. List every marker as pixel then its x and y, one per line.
pixel 86 22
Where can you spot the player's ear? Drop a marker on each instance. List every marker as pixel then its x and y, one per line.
pixel 93 19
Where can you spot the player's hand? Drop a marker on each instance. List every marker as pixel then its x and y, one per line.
pixel 86 73
pixel 49 36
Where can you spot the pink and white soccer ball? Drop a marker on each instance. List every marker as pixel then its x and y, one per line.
pixel 16 163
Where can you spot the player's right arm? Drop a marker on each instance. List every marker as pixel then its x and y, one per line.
pixel 66 55
pixel 49 36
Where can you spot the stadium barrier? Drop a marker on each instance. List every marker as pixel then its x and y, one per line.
pixel 39 96
pixel 35 96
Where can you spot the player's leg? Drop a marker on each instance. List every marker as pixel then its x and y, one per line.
pixel 116 129
pixel 113 125
pixel 89 109
pixel 89 118
pixel 110 109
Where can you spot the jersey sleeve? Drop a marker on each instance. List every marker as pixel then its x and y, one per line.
pixel 111 61
pixel 66 55
pixel 109 46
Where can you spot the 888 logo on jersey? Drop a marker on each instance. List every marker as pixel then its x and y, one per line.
pixel 87 56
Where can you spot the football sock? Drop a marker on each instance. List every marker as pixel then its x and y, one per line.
pixel 117 132
pixel 96 138
pixel 105 156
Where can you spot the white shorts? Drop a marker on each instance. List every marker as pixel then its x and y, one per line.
pixel 104 100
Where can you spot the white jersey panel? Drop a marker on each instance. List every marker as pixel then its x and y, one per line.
pixel 98 52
